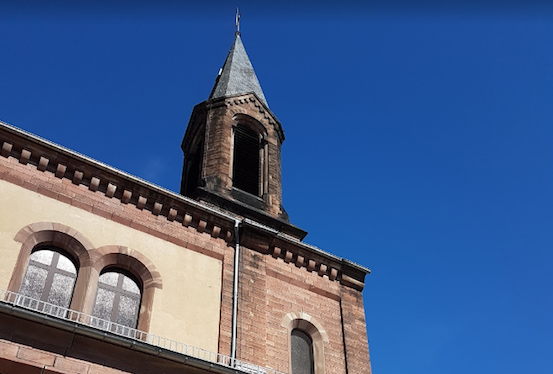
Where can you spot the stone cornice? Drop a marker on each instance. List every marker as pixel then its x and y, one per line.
pixel 248 99
pixel 114 183
pixel 30 149
pixel 279 245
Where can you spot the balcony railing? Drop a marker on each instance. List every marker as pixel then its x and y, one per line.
pixel 44 308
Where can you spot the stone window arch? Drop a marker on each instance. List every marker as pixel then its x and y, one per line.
pixel 135 266
pixel 117 298
pixel 50 277
pixel 89 262
pixel 302 327
pixel 60 239
pixel 249 155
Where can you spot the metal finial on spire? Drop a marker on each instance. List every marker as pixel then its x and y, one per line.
pixel 237 22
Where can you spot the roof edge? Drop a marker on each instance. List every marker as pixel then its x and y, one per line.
pixel 157 196
pixel 111 169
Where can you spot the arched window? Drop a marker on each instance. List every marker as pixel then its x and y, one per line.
pixel 302 352
pixel 306 343
pixel 50 277
pixel 246 167
pixel 117 299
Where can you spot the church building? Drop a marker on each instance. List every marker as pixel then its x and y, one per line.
pixel 104 272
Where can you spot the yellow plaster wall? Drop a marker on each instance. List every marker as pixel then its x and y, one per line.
pixel 187 309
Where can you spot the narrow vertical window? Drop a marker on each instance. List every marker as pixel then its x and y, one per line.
pixel 117 299
pixel 193 165
pixel 50 277
pixel 302 353
pixel 246 160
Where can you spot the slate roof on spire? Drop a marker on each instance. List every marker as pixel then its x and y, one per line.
pixel 237 75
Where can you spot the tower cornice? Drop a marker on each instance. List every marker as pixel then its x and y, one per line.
pixel 248 99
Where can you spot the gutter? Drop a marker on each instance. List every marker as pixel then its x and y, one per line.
pixel 108 337
pixel 235 292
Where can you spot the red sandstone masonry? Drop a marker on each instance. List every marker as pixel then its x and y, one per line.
pixel 225 325
pixel 269 287
pixel 8 349
pixel 284 299
pixel 267 296
pixel 48 185
pixel 357 347
pixel 219 121
pixel 71 195
pixel 36 356
pixel 71 365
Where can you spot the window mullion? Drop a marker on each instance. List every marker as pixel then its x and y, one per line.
pixel 116 299
pixel 50 277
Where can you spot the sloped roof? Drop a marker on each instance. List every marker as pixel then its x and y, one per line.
pixel 237 75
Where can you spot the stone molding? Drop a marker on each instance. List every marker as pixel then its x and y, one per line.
pixel 91 262
pixel 252 99
pixel 312 327
pixel 45 156
pixel 123 189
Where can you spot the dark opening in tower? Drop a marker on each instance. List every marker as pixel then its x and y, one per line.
pixel 246 169
pixel 193 166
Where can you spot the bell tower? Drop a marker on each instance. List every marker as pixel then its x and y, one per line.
pixel 232 147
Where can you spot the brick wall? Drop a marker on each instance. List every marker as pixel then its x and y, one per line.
pixel 270 288
pixel 218 149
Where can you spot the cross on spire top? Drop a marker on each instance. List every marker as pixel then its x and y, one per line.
pixel 237 22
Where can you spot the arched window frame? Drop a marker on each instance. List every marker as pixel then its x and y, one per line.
pixel 251 124
pixel 52 269
pixel 119 292
pixel 136 264
pixel 297 356
pixel 56 235
pixel 91 261
pixel 309 325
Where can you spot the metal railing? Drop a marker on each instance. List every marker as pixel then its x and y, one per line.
pixel 66 314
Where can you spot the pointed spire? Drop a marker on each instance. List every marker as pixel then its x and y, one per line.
pixel 237 75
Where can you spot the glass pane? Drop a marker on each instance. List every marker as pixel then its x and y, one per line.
pixel 128 308
pixel 302 353
pixel 104 304
pixel 65 264
pixel 44 256
pixel 61 291
pixel 130 286
pixel 33 283
pixel 109 278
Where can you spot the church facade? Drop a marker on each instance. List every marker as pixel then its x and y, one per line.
pixel 103 272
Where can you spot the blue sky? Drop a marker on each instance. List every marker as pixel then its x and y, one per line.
pixel 418 143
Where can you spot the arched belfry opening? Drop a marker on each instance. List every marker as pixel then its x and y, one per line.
pixel 232 147
pixel 250 154
pixel 193 157
pixel 246 160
